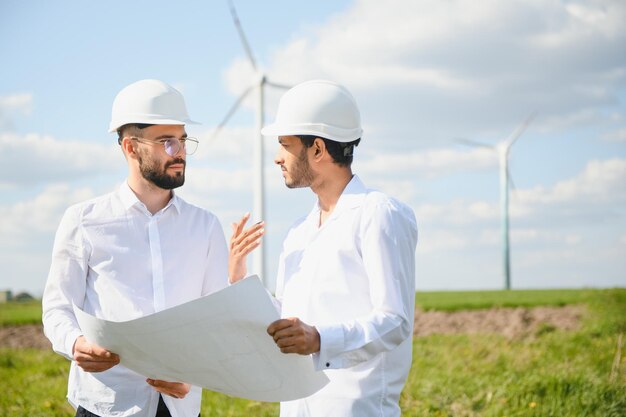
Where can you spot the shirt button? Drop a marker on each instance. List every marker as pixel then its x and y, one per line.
pixel 327 364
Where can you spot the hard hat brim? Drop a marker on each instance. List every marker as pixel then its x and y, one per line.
pixel 117 124
pixel 313 129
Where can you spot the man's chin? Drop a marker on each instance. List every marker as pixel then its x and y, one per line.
pixel 294 185
pixel 174 182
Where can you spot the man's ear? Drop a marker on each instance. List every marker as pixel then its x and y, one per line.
pixel 319 148
pixel 128 147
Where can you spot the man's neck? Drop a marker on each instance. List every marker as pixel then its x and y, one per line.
pixel 329 190
pixel 153 197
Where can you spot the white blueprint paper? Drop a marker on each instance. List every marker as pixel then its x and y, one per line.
pixel 218 342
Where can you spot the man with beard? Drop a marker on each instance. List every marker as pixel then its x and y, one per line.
pixel 346 274
pixel 134 252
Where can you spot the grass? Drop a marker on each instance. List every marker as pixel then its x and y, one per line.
pixel 552 373
pixel 471 300
pixel 15 313
pixel 33 383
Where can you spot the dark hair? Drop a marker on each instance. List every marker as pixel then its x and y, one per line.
pixel 122 130
pixel 341 152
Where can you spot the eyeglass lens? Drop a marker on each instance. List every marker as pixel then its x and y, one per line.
pixel 173 145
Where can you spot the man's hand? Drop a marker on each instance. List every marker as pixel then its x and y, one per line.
pixel 173 389
pixel 294 336
pixel 93 358
pixel 242 242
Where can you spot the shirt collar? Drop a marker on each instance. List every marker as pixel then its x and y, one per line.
pixel 129 199
pixel 351 196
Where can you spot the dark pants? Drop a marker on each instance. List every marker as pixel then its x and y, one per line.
pixel 162 411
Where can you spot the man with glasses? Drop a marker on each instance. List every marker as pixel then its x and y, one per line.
pixel 134 252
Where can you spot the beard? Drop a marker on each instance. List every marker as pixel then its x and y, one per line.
pixel 301 174
pixel 159 176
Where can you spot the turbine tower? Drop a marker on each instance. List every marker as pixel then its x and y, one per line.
pixel 503 149
pixel 259 83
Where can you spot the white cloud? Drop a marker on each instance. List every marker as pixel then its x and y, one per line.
pixel 599 187
pixel 34 159
pixel 521 236
pixel 601 183
pixel 228 142
pixel 27 220
pixel 457 212
pixel 441 241
pixel 452 68
pixel 616 136
pixel 20 103
pixel 426 164
pixel 210 180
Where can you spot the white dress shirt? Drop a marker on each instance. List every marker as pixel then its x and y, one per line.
pixel 118 262
pixel 353 278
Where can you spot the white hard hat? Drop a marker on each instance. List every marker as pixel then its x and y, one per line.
pixel 319 108
pixel 149 102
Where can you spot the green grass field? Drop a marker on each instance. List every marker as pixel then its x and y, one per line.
pixel 20 313
pixel 552 373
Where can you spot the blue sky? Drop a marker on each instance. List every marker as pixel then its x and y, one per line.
pixel 423 72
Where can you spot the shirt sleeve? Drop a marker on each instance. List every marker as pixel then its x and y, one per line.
pixel 216 268
pixel 66 283
pixel 388 236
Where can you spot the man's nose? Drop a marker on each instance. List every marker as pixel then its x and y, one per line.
pixel 278 159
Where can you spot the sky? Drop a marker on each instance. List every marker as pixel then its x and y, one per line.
pixel 426 74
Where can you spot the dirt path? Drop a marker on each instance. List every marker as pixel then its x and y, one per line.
pixel 510 322
pixel 26 336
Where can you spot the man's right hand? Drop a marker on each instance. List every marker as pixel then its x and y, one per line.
pixel 93 358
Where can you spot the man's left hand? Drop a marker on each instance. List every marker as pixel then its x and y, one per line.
pixel 294 336
pixel 173 389
pixel 242 243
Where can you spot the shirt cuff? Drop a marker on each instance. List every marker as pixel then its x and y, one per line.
pixel 332 344
pixel 69 343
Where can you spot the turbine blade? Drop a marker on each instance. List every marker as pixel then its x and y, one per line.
pixel 277 85
pixel 230 113
pixel 511 140
pixel 474 143
pixel 242 35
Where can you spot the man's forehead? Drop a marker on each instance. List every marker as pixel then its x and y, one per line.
pixel 287 139
pixel 165 130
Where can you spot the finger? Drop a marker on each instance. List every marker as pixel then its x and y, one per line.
pixel 238 227
pixel 95 351
pixel 252 232
pixel 289 332
pixel 242 222
pixel 290 349
pixel 85 356
pixel 173 389
pixel 290 345
pixel 278 325
pixel 288 341
pixel 249 241
pixel 92 366
pixel 249 248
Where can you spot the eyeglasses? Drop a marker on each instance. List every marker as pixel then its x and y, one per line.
pixel 173 145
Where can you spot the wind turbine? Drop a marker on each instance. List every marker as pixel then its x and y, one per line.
pixel 503 149
pixel 259 83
